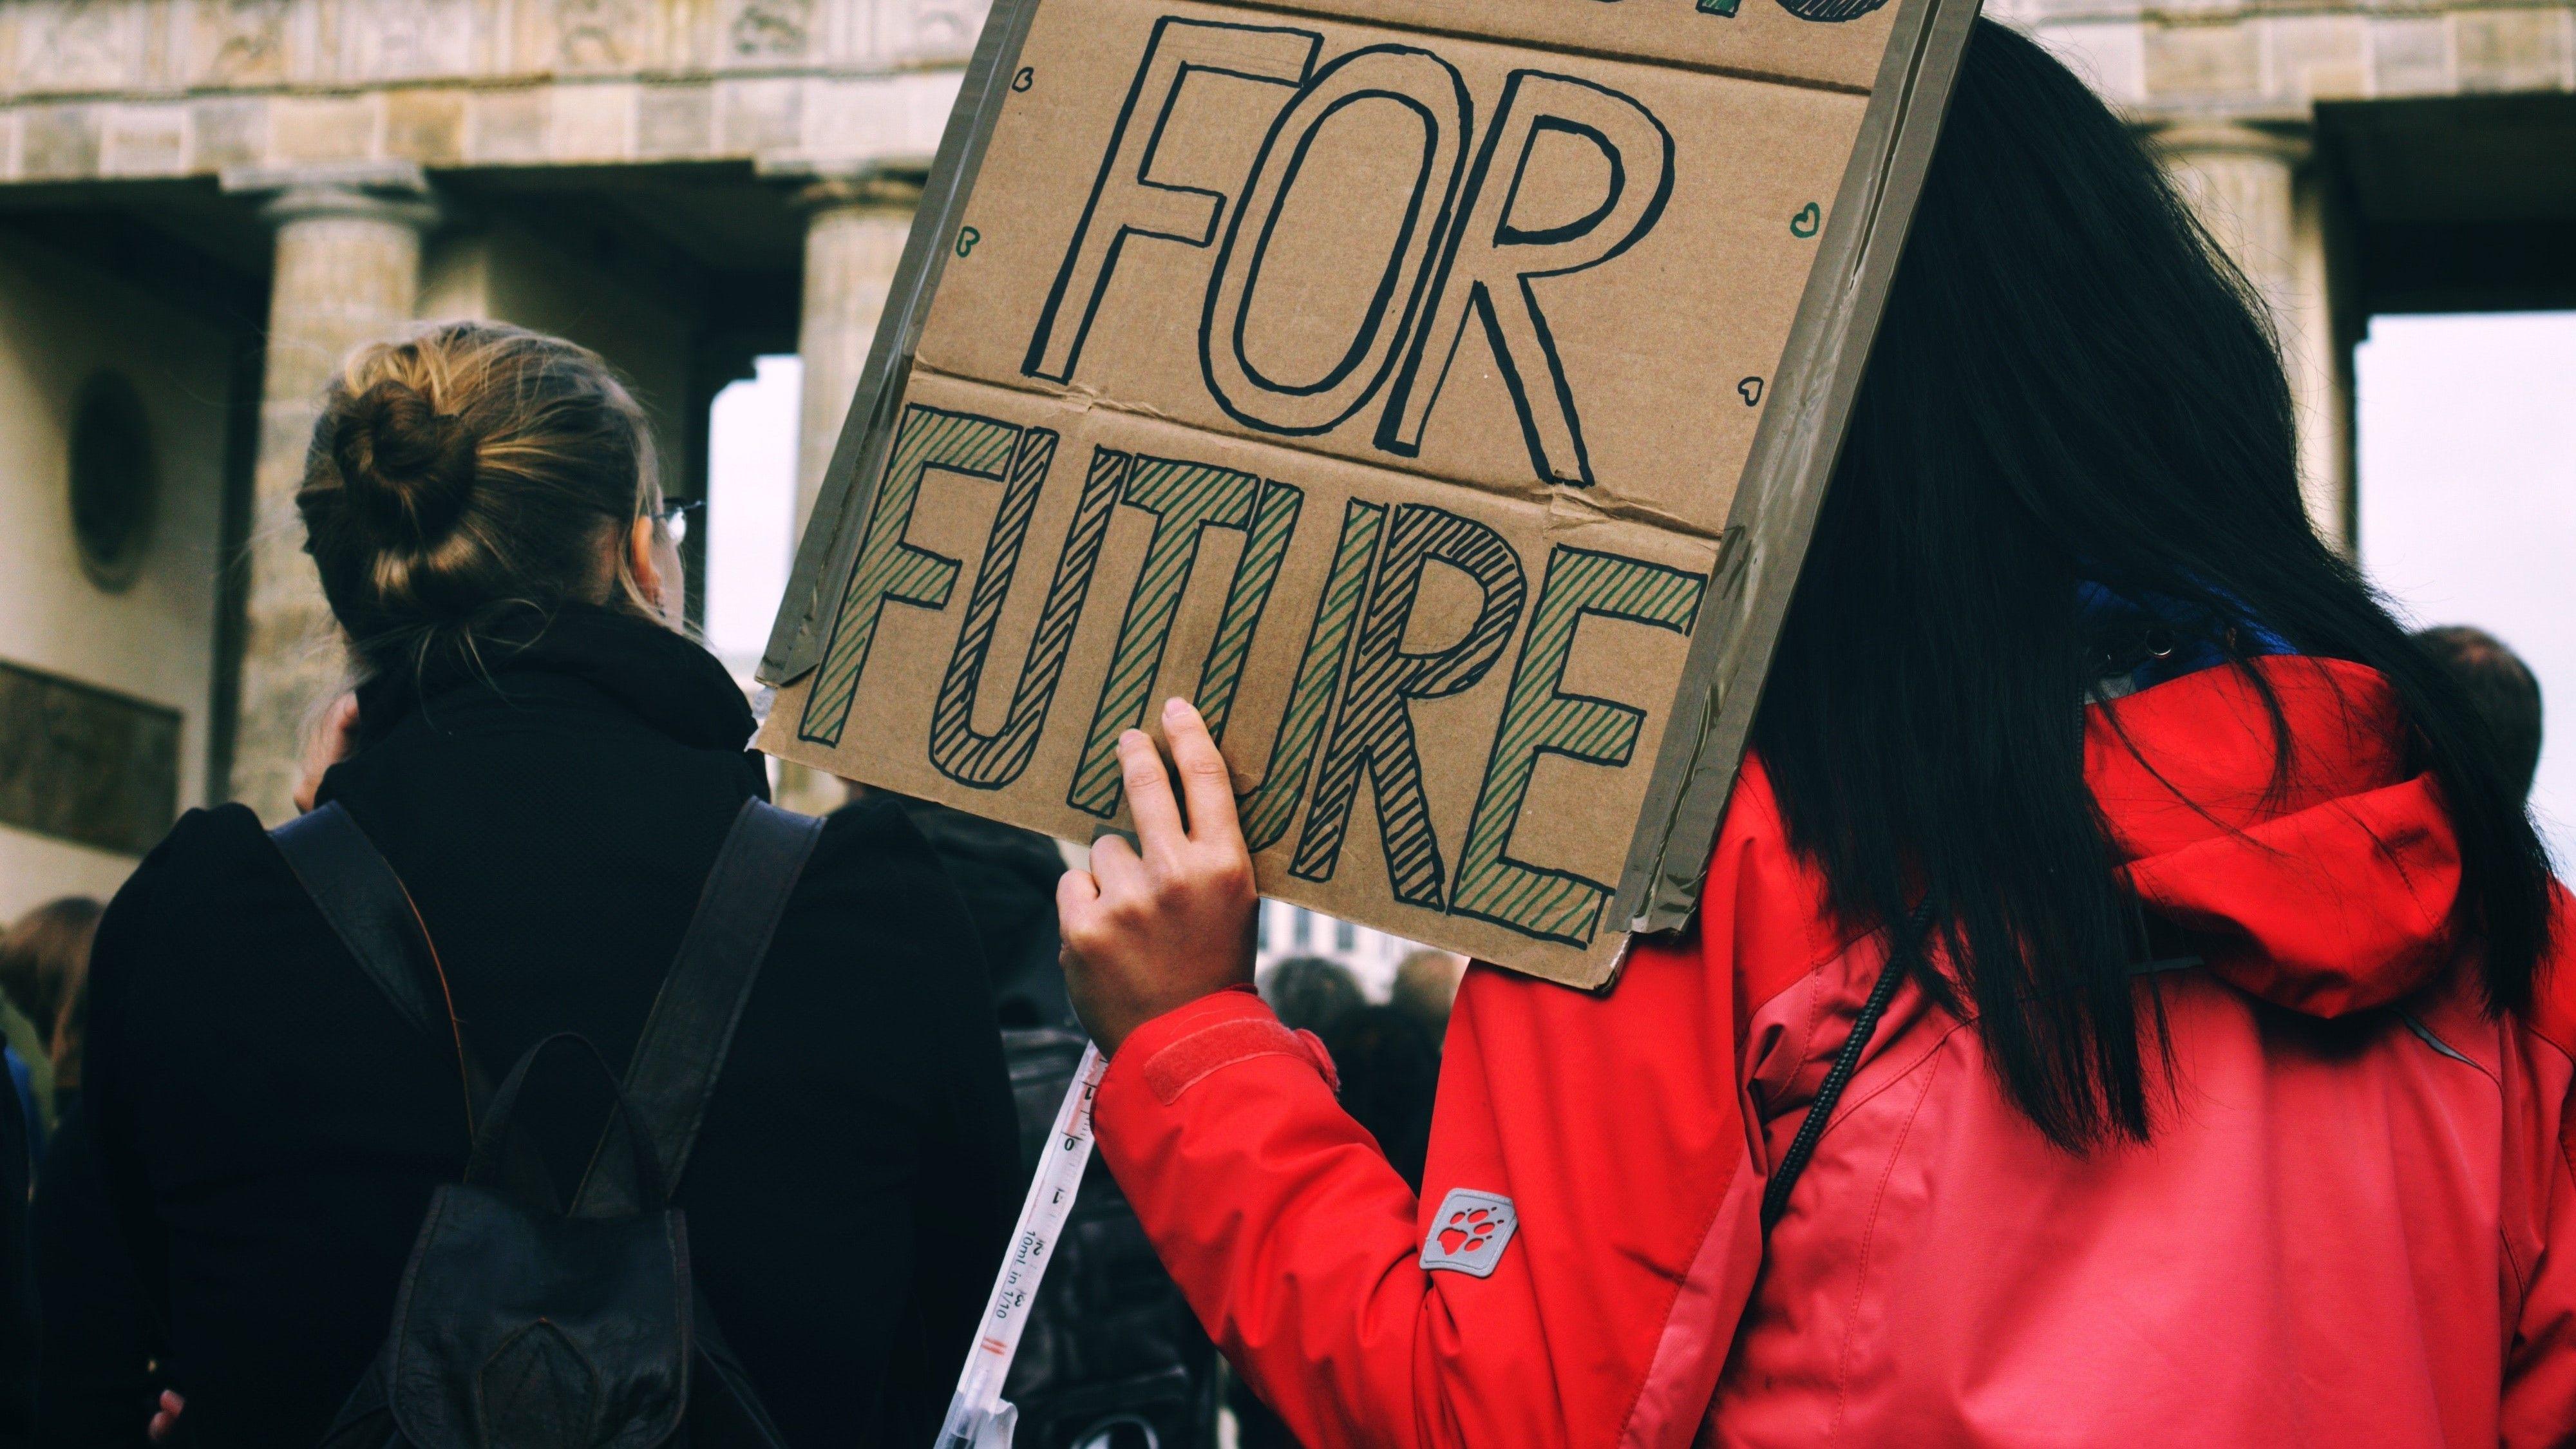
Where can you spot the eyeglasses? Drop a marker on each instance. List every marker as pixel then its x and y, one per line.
pixel 674 517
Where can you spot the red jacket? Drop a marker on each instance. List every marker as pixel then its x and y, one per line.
pixel 2355 1226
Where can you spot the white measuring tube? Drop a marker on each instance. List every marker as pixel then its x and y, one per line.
pixel 977 1417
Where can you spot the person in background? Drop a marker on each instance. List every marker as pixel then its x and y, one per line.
pixel 1426 985
pixel 1311 993
pixel 550 767
pixel 1389 1066
pixel 44 970
pixel 2128 1003
pixel 98 1343
pixel 22 1091
pixel 1007 877
pixel 1110 1340
pixel 19 1340
pixel 71 1044
pixel 27 956
pixel 2500 687
pixel 42 960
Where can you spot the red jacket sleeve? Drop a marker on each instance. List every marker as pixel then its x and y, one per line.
pixel 2539 1407
pixel 1611 1129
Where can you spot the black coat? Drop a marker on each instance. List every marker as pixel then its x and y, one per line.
pixel 17 1289
pixel 269 1130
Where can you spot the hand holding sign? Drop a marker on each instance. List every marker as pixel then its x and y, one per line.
pixel 1159 926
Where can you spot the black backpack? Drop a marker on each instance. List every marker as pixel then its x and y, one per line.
pixel 519 1325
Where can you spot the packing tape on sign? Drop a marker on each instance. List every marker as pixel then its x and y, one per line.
pixel 977 1417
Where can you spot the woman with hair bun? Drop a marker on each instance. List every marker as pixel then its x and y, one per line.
pixel 550 766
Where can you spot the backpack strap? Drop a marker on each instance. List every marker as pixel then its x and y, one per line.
pixel 691 1029
pixel 493 1144
pixel 355 888
pixel 1904 946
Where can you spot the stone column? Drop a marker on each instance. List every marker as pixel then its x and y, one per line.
pixel 854 234
pixel 2246 185
pixel 347 272
pixel 2328 326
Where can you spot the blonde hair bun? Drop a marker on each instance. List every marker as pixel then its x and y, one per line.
pixel 465 474
pixel 408 468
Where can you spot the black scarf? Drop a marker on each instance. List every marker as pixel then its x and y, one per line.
pixel 661 676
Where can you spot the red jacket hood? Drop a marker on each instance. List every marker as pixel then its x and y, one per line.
pixel 2327 892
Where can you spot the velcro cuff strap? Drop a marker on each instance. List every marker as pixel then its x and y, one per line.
pixel 1188 1060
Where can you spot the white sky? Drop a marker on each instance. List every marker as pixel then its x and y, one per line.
pixel 2468 500
pixel 751 504
pixel 2467 479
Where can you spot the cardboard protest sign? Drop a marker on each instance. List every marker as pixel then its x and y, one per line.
pixel 1438 393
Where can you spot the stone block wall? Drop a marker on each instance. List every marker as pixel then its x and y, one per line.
pixel 2265 61
pixel 160 88
pixel 149 641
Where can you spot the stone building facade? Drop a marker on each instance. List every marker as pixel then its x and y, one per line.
pixel 215 199
pixel 2356 159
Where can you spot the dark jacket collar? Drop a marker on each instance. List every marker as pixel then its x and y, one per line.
pixel 661 677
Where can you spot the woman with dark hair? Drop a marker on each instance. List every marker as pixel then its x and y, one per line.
pixel 43 961
pixel 2217 1091
pixel 550 766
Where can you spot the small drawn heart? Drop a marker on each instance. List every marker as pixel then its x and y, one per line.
pixel 1450 1238
pixel 1807 221
pixel 966 239
pixel 1751 391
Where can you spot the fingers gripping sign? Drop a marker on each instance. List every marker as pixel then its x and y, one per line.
pixel 1168 920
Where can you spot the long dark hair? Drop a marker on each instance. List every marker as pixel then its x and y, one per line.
pixel 2070 384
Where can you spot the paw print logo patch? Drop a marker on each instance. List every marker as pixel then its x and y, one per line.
pixel 1469 1232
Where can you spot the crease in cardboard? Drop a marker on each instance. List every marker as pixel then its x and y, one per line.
pixel 1596 503
pixel 1081 413
pixel 1590 506
pixel 1081 396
